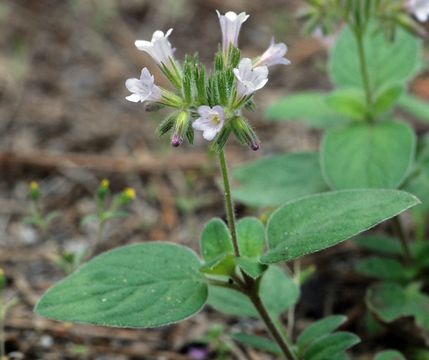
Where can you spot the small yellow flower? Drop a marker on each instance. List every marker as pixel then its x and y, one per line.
pixel 34 186
pixel 105 183
pixel 130 193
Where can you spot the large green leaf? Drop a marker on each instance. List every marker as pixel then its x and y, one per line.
pixel 368 155
pixel 274 180
pixel 389 62
pixel 308 106
pixel 277 290
pixel 391 301
pixel 139 286
pixel 320 221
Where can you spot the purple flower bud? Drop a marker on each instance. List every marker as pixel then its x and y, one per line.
pixel 176 140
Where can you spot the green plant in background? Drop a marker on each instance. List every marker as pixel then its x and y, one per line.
pixel 5 306
pixel 108 207
pixel 37 216
pixel 241 268
pixel 366 143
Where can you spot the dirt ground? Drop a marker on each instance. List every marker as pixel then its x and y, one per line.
pixel 65 123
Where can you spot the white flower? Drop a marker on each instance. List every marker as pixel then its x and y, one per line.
pixel 210 122
pixel 230 24
pixel 249 78
pixel 143 89
pixel 273 55
pixel 159 48
pixel 420 8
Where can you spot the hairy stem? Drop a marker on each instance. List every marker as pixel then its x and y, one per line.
pixel 250 287
pixel 230 214
pixel 364 71
pixel 275 332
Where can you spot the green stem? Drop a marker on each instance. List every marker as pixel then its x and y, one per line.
pixel 250 287
pixel 230 214
pixel 275 332
pixel 397 223
pixel 364 71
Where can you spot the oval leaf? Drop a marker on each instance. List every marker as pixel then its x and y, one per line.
pixel 290 177
pixel 251 237
pixel 215 240
pixel 368 156
pixel 319 221
pixel 389 355
pixel 137 286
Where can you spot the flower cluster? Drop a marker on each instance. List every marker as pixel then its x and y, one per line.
pixel 210 101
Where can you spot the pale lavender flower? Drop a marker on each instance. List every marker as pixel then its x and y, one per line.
pixel 159 48
pixel 249 78
pixel 230 24
pixel 274 55
pixel 210 122
pixel 420 8
pixel 143 89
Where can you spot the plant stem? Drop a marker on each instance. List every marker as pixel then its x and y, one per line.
pixel 364 70
pixel 250 287
pixel 275 332
pixel 397 223
pixel 230 214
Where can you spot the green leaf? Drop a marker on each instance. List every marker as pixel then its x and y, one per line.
pixel 368 155
pixel 137 286
pixel 257 342
pixel 380 244
pixel 320 221
pixel 308 106
pixel 215 240
pixel 388 62
pixel 277 290
pixel 384 269
pixel 389 355
pixel 319 329
pixel 391 301
pixel 223 264
pixel 387 98
pixel 331 345
pixel 418 182
pixel 290 176
pixel 415 106
pixel 251 237
pixel 251 266
pixel 348 102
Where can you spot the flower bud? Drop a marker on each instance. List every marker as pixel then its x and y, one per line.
pixel 244 132
pixel 127 196
pixel 180 128
pixel 34 191
pixel 104 189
